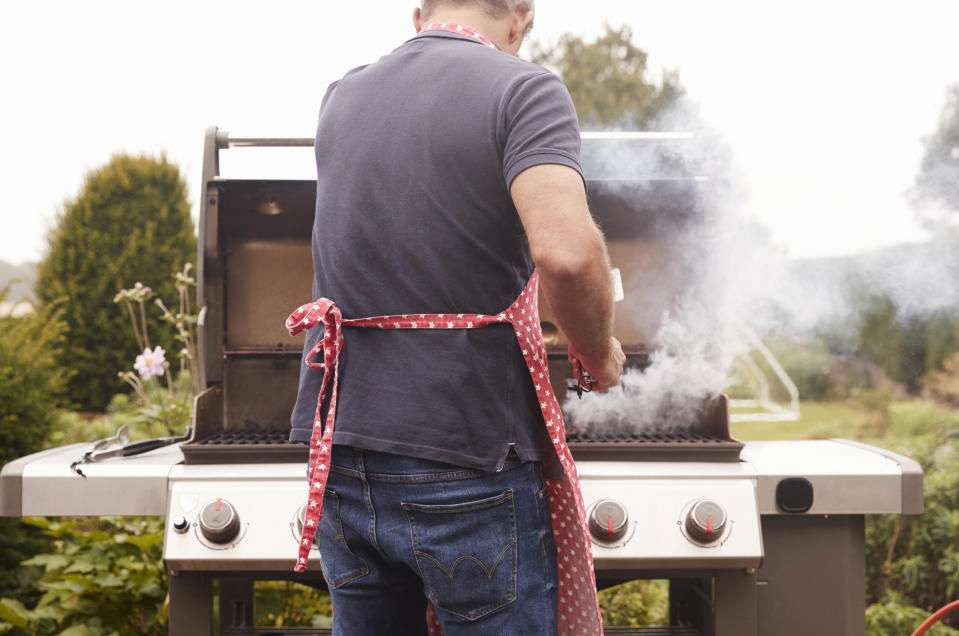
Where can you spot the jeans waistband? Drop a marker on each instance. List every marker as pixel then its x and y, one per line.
pixel 429 471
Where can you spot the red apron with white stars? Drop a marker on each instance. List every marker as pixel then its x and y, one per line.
pixel 578 606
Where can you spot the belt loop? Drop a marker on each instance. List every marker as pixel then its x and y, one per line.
pixel 360 463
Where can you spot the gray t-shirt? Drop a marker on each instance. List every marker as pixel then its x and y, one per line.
pixel 415 155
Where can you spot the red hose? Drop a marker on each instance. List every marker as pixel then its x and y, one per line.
pixel 932 620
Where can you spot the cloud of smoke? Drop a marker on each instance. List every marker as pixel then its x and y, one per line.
pixel 679 301
pixel 723 275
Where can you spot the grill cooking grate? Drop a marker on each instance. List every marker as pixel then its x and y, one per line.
pixel 259 445
pixel 247 445
pixel 627 437
pixel 247 435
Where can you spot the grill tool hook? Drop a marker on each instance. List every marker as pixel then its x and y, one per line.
pixel 100 450
pixel 121 437
pixel 585 385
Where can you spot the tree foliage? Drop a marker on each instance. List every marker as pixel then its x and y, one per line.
pixel 944 383
pixel 609 79
pixel 130 222
pixel 31 381
pixel 907 347
pixel 937 183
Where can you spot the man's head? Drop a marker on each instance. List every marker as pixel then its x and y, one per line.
pixel 495 8
pixel 506 22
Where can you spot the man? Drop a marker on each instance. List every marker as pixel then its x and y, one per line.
pixel 445 172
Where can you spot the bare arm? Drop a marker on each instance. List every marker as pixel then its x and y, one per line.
pixel 570 255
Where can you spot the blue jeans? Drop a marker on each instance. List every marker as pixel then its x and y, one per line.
pixel 398 531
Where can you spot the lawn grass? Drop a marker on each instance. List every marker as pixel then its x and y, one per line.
pixel 818 420
pixel 865 418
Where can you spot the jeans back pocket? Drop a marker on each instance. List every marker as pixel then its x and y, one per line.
pixel 466 553
pixel 339 564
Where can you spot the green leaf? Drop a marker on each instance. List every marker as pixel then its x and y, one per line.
pixel 146 541
pixel 80 565
pixel 81 630
pixel 49 561
pixel 109 580
pixel 14 613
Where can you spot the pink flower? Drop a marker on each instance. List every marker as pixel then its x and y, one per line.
pixel 150 363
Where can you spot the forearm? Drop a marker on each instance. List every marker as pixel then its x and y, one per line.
pixel 580 294
pixel 570 256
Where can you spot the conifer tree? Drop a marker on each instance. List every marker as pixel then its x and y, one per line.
pixel 131 222
pixel 609 79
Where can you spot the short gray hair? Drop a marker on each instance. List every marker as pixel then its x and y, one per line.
pixel 495 8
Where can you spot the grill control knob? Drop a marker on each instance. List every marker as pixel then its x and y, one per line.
pixel 180 524
pixel 706 521
pixel 608 520
pixel 219 522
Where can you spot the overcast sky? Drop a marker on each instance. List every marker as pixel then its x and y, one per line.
pixel 825 103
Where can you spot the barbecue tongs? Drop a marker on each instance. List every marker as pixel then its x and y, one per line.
pixel 119 445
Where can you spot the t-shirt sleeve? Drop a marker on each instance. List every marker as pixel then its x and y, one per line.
pixel 540 126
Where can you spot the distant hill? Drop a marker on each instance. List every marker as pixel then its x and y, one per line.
pixel 21 279
pixel 919 277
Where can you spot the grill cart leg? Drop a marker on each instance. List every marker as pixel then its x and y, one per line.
pixel 690 602
pixel 735 610
pixel 813 577
pixel 191 604
pixel 236 602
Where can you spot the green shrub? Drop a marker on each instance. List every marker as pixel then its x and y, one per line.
pixel 892 619
pixel 635 604
pixel 104 577
pixel 809 364
pixel 131 222
pixel 31 381
pixel 291 604
pixel 917 557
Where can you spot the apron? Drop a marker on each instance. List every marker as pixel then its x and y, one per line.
pixel 578 606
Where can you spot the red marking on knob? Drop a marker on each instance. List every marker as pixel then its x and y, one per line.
pixel 609 526
pixel 709 526
pixel 218 500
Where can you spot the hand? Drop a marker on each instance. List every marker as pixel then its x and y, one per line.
pixel 605 371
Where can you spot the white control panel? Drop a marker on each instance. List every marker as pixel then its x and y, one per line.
pixel 229 526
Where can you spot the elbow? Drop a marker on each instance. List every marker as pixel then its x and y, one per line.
pixel 573 261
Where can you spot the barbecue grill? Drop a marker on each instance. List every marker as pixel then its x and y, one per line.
pixel 755 539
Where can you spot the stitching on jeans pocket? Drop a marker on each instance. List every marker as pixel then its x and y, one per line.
pixel 339 564
pixel 466 553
